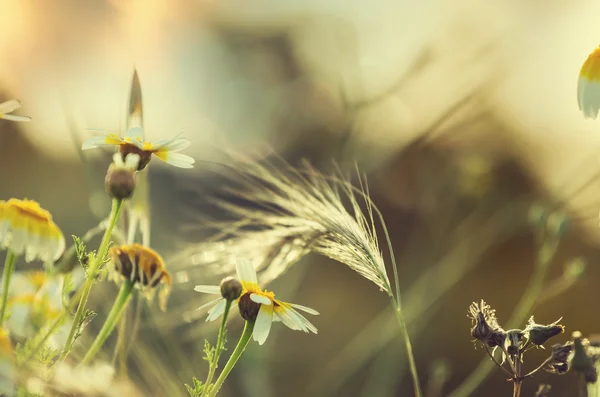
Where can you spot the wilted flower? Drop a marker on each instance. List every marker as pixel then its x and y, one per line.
pixel 166 149
pixel 513 342
pixel 258 306
pixel 27 228
pixel 539 334
pixel 144 267
pixel 588 85
pixel 582 361
pixel 120 179
pixel 485 325
pixel 561 358
pixel 9 107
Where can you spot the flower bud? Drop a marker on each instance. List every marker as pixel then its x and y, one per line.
pixel 231 289
pixel 120 179
pixel 539 334
pixel 514 337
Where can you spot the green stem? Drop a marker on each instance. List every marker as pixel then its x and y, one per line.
pixel 218 349
pixel 111 321
pixel 235 356
pixel 409 352
pixel 9 268
pixel 91 275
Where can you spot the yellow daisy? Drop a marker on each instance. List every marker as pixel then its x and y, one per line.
pixel 27 228
pixel 133 142
pixel 9 107
pixel 588 86
pixel 258 306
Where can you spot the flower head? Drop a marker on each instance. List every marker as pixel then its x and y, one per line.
pixel 485 325
pixel 144 267
pixel 258 306
pixel 9 107
pixel 539 334
pixel 27 228
pixel 588 85
pixel 166 149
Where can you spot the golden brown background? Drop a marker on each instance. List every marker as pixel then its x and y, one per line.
pixel 460 112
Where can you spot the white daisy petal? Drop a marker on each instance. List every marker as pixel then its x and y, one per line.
pixel 588 97
pixel 301 320
pixel 262 325
pixel 19 241
pixel 263 300
pixel 178 144
pixel 96 141
pixel 216 311
pixel 165 142
pixel 13 117
pixel 10 106
pixel 209 304
pixel 176 159
pixel 246 272
pixel 288 321
pixel 208 289
pixel 135 133
pixel 304 309
pixel 32 247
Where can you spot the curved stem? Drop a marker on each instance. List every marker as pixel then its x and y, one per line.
pixel 218 349
pixel 91 275
pixel 111 320
pixel 9 268
pixel 235 356
pixel 409 353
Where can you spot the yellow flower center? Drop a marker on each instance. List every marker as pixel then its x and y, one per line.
pixel 27 214
pixel 591 67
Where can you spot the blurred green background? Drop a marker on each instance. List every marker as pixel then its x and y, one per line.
pixel 461 113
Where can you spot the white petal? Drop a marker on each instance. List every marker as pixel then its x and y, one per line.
pixel 304 309
pixel 10 106
pixel 263 300
pixel 94 142
pixel 208 289
pixel 13 117
pixel 165 142
pixel 176 145
pixel 176 159
pixel 19 241
pixel 19 321
pixel 216 311
pixel 58 248
pixel 246 272
pixel 588 97
pixel 208 304
pixel 262 325
pixel 288 321
pixel 303 321
pixel 135 133
pixel 32 247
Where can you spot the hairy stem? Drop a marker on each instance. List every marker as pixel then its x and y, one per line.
pixel 235 356
pixel 219 347
pixel 111 320
pixel 9 268
pixel 91 275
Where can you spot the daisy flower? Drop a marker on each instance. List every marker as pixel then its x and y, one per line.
pixel 144 267
pixel 133 142
pixel 9 107
pixel 258 306
pixel 27 228
pixel 588 86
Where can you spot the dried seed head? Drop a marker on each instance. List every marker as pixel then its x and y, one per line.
pixel 560 353
pixel 539 334
pixel 248 308
pixel 231 288
pixel 543 390
pixel 513 342
pixel 485 325
pixel 121 179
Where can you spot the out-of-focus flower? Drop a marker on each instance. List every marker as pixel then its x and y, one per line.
pixel 27 228
pixel 144 267
pixel 258 306
pixel 35 299
pixel 120 179
pixel 588 85
pixel 539 334
pixel 9 107
pixel 97 380
pixel 166 149
pixel 7 369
